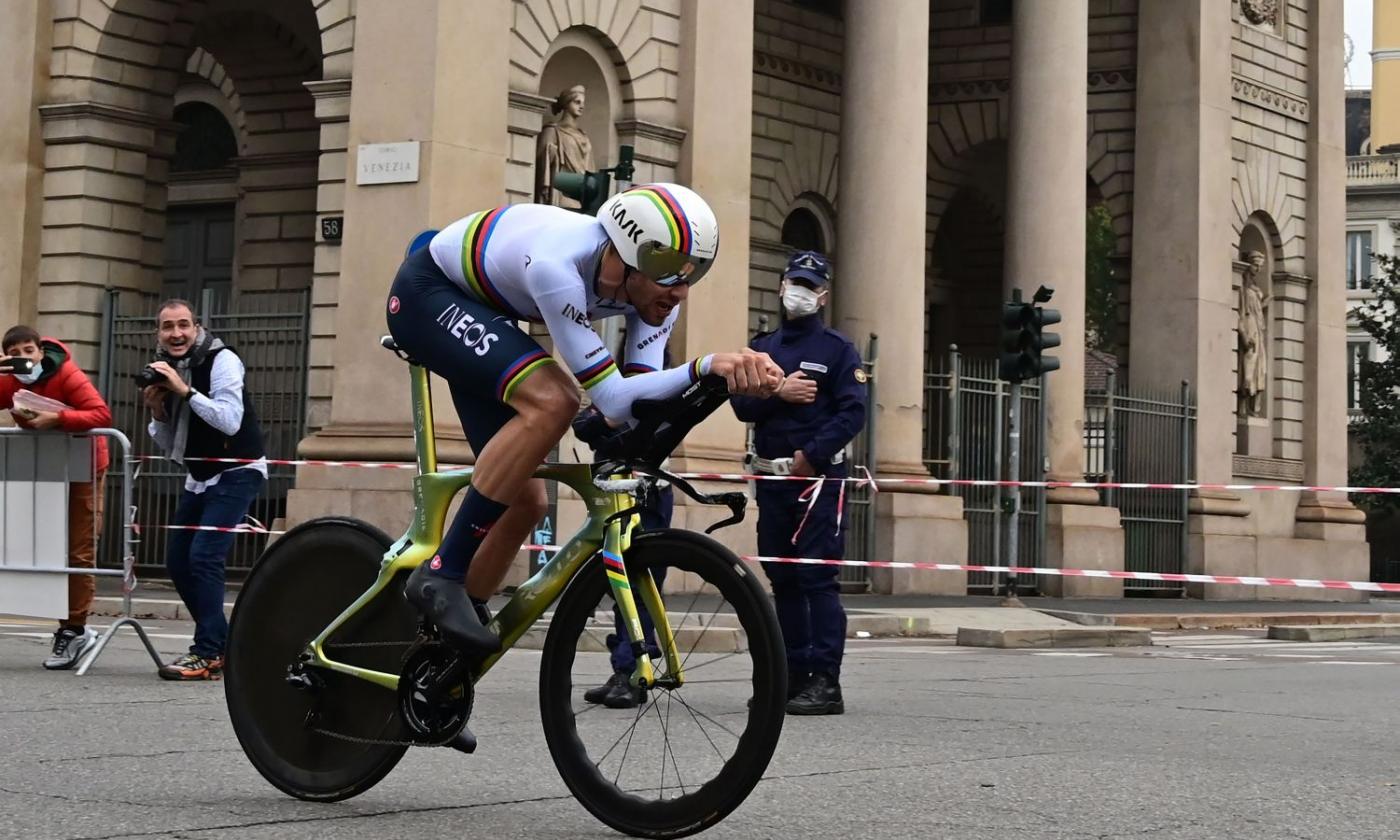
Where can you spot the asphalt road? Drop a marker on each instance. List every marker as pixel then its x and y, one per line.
pixel 1202 736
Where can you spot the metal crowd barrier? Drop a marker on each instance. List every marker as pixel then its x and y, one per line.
pixel 36 469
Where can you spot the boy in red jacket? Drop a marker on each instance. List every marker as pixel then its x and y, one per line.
pixel 55 375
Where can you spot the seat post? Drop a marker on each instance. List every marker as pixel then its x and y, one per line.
pixel 424 441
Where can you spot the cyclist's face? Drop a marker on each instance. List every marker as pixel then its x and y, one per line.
pixel 652 300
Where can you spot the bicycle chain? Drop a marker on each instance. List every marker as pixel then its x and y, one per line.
pixel 382 742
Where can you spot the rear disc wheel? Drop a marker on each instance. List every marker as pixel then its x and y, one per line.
pixel 310 742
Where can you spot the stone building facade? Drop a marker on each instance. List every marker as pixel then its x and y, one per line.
pixel 943 151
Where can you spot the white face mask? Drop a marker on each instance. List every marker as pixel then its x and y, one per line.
pixel 31 377
pixel 800 301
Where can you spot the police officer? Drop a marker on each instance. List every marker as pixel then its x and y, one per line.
pixel 803 431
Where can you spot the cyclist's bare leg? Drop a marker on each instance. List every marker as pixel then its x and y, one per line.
pixel 545 404
pixel 492 561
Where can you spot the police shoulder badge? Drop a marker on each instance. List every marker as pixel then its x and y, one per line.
pixel 861 375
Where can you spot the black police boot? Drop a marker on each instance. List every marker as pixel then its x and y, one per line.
pixel 446 605
pixel 618 680
pixel 821 696
pixel 623 695
pixel 797 680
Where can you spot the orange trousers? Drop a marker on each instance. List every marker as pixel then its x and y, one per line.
pixel 85 506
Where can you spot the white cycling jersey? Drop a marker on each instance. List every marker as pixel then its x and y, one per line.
pixel 534 262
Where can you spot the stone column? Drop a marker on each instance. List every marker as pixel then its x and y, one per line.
pixel 716 110
pixel 1385 73
pixel 408 84
pixel 880 247
pixel 25 42
pixel 1330 516
pixel 1182 301
pixel 1045 197
pixel 881 219
pixel 1047 162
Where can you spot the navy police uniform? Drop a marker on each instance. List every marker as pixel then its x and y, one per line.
pixel 807 597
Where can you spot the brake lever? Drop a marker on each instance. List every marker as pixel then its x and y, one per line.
pixel 737 502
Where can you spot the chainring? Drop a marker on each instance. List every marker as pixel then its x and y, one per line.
pixel 433 712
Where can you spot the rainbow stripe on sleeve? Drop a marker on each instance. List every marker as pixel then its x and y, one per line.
pixel 518 370
pixel 590 376
pixel 474 244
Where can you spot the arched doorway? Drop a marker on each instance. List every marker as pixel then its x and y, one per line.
pixel 185 138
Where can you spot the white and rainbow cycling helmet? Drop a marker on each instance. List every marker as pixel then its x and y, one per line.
pixel 665 231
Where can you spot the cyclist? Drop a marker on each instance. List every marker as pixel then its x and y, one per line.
pixel 453 308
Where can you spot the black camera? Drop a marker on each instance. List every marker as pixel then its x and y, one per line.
pixel 148 376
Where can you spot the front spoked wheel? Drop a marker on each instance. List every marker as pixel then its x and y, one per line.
pixel 689 751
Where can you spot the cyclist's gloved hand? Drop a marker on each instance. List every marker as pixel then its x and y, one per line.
pixel 592 428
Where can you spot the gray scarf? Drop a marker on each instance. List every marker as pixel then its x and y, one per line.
pixel 177 409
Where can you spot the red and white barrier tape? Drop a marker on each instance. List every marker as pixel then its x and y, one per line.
pixel 1236 580
pixel 1241 580
pixel 868 479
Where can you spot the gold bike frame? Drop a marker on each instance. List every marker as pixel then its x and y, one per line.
pixel 433 491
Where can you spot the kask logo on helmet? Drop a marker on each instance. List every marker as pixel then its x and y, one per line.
pixel 628 227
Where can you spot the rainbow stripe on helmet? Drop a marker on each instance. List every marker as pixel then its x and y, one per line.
pixel 677 223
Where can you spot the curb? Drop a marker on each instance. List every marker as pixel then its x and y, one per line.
pixel 1064 638
pixel 1334 633
pixel 1219 621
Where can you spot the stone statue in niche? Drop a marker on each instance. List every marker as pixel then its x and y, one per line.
pixel 1260 12
pixel 562 146
pixel 1254 340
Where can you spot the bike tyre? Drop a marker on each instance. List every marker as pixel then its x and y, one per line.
pixel 296 589
pixel 716 799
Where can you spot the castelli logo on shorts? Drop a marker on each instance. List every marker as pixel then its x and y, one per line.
pixel 437 562
pixel 393 304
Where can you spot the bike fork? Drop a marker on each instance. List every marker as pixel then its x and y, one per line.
pixel 616 540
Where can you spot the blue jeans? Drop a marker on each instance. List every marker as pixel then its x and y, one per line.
pixel 195 559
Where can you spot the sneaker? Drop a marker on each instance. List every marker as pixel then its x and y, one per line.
pixel 446 605
pixel 69 645
pixel 192 666
pixel 821 696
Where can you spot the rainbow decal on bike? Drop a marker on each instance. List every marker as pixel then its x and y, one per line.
pixel 518 371
pixel 592 375
pixel 671 211
pixel 474 243
pixel 617 573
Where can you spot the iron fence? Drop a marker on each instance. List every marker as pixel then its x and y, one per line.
pixel 965 437
pixel 270 332
pixel 1144 436
pixel 860 499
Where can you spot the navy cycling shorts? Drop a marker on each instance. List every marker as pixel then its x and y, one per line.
pixel 481 353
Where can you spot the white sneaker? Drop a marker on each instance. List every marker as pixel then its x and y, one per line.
pixel 68 647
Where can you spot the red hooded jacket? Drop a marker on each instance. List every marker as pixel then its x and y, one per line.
pixel 64 381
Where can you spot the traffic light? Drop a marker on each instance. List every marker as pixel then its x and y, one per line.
pixel 590 189
pixel 1023 337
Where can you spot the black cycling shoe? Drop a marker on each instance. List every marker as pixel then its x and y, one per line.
pixel 446 605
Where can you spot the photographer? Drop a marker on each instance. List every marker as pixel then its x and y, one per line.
pixel 200 410
pixel 55 376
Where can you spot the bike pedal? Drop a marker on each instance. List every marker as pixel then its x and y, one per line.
pixel 463 741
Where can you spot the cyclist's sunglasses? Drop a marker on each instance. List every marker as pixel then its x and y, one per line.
pixel 668 267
